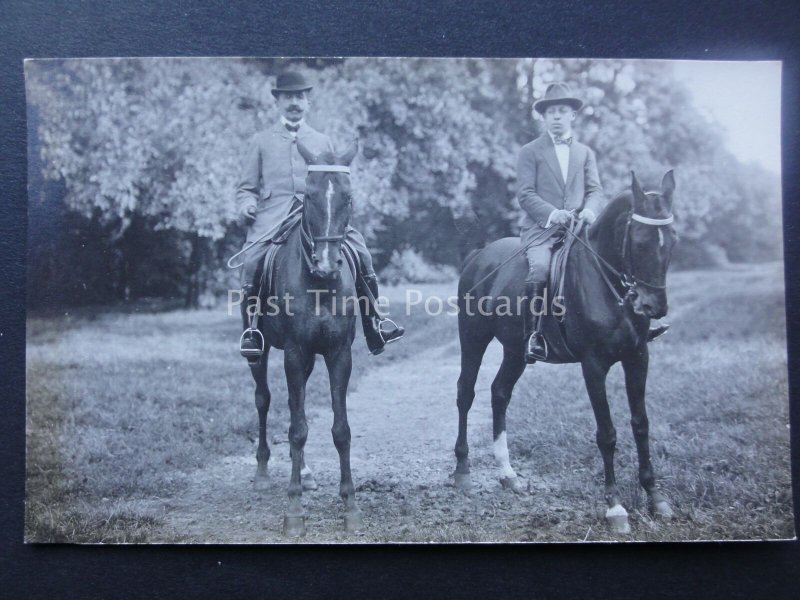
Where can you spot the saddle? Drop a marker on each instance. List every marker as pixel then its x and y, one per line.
pixel 553 325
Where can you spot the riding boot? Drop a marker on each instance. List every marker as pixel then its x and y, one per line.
pixel 378 331
pixel 656 329
pixel 535 346
pixel 251 344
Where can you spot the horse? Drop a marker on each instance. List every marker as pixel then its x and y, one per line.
pixel 615 282
pixel 309 279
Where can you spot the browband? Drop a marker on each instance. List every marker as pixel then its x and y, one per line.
pixel 648 221
pixel 329 168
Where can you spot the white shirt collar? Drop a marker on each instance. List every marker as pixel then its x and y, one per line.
pixel 287 122
pixel 553 137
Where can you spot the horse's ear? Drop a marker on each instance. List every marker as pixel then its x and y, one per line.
pixel 310 159
pixel 638 193
pixel 668 185
pixel 350 153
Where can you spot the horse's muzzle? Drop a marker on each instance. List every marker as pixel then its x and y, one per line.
pixel 326 275
pixel 650 305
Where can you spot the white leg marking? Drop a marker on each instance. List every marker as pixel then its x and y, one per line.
pixel 616 511
pixel 305 471
pixel 501 456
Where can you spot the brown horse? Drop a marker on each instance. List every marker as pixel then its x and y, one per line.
pixel 614 284
pixel 305 317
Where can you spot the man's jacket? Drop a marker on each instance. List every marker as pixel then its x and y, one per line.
pixel 273 173
pixel 541 187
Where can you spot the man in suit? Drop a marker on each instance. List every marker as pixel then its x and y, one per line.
pixel 557 178
pixel 271 185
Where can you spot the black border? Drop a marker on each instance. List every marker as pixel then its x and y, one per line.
pixel 667 29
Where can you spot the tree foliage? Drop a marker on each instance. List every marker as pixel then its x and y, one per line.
pixel 151 147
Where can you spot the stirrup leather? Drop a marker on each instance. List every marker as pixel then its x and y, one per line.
pixel 251 352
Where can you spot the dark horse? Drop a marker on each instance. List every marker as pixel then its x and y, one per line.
pixel 305 316
pixel 606 312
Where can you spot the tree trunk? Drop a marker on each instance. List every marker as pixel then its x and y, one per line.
pixel 193 275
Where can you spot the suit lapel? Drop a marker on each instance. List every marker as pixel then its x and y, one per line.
pixel 575 156
pixel 549 152
pixel 279 129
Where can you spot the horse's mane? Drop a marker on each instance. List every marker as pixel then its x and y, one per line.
pixel 606 222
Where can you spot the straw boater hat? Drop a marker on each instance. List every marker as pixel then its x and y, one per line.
pixel 557 93
pixel 290 81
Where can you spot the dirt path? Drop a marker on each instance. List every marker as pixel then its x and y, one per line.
pixel 402 460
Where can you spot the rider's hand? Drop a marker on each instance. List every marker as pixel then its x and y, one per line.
pixel 249 212
pixel 560 217
pixel 587 214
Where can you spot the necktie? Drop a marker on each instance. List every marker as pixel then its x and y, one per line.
pixel 292 128
pixel 565 141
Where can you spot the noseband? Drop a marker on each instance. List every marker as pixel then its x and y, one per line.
pixel 309 240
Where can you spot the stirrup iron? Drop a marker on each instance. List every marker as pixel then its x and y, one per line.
pixel 251 352
pixel 535 355
pixel 388 321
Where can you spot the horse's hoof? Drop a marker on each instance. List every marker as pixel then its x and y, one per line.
pixel 294 526
pixel 353 523
pixel 463 481
pixel 662 510
pixel 309 483
pixel 617 519
pixel 514 484
pixel 261 482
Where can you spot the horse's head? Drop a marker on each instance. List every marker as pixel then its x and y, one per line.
pixel 647 240
pixel 326 210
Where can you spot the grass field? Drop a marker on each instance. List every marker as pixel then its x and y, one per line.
pixel 124 407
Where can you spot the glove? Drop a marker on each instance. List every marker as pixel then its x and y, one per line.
pixel 248 211
pixel 559 217
pixel 588 215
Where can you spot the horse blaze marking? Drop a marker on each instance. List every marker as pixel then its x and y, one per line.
pixel 660 237
pixel 328 198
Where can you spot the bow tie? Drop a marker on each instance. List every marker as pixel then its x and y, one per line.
pixel 560 140
pixel 292 128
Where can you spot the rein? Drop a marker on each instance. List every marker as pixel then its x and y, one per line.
pixel 628 280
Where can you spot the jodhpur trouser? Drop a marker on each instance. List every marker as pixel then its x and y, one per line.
pixel 538 256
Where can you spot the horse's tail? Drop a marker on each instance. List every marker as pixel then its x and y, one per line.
pixel 470 237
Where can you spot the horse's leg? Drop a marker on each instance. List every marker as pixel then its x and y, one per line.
pixel 594 375
pixel 339 363
pixel 295 365
pixel 306 475
pixel 259 372
pixel 635 382
pixel 472 351
pixel 503 385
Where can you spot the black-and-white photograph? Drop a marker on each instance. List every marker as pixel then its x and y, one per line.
pixel 393 300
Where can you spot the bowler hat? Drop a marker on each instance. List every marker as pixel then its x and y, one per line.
pixel 557 93
pixel 290 81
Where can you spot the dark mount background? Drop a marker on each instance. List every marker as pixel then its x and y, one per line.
pixel 681 29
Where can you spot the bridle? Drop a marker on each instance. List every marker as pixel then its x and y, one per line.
pixel 627 254
pixel 310 240
pixel 628 280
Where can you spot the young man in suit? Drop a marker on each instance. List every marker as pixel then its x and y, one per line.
pixel 557 178
pixel 272 183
